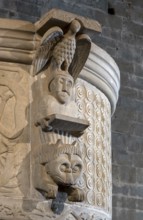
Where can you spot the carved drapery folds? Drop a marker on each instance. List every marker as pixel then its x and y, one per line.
pixel 58 91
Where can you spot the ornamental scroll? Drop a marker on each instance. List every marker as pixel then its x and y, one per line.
pixel 58 163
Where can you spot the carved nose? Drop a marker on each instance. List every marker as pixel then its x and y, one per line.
pixel 69 170
pixel 65 88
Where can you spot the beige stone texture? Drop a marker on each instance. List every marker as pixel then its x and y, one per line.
pixel 55 167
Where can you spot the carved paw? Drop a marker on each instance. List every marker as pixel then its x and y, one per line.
pixel 51 192
pixel 76 195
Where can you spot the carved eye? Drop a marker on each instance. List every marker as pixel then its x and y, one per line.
pixel 61 81
pixel 77 168
pixel 69 84
pixel 64 167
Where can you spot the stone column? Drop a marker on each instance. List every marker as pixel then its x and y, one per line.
pixel 32 142
pixel 96 94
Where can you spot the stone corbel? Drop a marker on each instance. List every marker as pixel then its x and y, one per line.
pixel 96 84
pixel 95 80
pixel 57 64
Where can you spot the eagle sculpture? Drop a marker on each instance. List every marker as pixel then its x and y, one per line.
pixel 63 51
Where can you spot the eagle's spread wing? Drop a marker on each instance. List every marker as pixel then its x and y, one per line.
pixel 83 47
pixel 43 53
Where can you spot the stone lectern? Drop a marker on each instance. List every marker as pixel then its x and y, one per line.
pixel 58 91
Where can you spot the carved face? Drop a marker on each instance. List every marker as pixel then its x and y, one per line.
pixel 61 88
pixel 65 169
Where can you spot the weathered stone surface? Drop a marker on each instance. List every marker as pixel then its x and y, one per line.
pixel 48 164
pixel 16 41
pixel 128 11
pixel 120 189
pixel 139 175
pixel 62 17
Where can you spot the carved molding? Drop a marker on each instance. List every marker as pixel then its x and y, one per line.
pixel 17 41
pixel 101 71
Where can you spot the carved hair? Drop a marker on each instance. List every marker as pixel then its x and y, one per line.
pixel 58 73
pixel 52 151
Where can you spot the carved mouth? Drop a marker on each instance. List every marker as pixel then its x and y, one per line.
pixel 64 93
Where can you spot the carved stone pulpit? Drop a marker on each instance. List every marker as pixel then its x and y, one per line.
pixel 58 91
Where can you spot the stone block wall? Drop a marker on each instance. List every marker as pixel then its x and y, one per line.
pixel 122 38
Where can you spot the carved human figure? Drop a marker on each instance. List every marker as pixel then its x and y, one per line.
pixel 60 57
pixel 61 167
pixel 61 87
pixel 58 100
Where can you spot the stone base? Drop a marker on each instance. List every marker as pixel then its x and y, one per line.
pixel 21 210
pixel 70 212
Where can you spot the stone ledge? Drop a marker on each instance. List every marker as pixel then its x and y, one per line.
pixel 57 17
